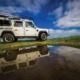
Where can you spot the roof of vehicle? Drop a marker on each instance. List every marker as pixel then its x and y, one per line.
pixel 15 18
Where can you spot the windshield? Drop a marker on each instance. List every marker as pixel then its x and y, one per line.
pixel 29 24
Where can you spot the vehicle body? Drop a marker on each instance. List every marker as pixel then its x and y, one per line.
pixel 13 28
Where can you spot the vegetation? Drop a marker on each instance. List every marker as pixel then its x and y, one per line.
pixel 73 41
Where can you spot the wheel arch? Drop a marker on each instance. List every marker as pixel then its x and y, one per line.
pixel 7 32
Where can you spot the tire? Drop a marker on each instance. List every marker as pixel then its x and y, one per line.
pixel 43 50
pixel 10 55
pixel 7 38
pixel 43 36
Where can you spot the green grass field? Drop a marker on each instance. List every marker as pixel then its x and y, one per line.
pixel 69 41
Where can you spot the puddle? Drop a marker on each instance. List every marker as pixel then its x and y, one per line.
pixel 40 63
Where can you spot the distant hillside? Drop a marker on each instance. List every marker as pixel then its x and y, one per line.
pixel 68 39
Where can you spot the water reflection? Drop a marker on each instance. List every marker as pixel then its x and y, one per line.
pixel 41 63
pixel 12 60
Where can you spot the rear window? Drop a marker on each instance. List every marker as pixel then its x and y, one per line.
pixel 18 23
pixel 5 23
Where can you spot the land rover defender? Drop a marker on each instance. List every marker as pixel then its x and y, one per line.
pixel 12 28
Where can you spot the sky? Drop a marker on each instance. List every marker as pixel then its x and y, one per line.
pixel 61 17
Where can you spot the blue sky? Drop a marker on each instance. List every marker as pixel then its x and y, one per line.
pixel 61 17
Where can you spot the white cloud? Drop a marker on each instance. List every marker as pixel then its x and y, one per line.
pixel 71 17
pixel 33 6
pixel 58 12
pixel 63 33
pixel 10 9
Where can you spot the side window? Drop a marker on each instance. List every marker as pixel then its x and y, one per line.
pixel 18 23
pixel 5 23
pixel 1 22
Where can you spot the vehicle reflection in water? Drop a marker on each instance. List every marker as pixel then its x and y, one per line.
pixel 20 58
pixel 41 63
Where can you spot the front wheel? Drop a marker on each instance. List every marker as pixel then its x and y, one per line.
pixel 7 38
pixel 43 50
pixel 43 36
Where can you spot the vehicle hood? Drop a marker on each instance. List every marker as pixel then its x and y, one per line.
pixel 42 29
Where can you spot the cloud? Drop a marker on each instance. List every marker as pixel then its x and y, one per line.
pixel 19 6
pixel 10 9
pixel 63 33
pixel 33 5
pixel 71 15
pixel 58 12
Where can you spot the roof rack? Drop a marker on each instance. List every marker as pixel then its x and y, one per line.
pixel 12 17
pixel 9 17
pixel 5 16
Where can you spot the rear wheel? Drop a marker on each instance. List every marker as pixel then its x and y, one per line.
pixel 10 55
pixel 7 38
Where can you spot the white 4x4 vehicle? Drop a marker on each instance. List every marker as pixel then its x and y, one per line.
pixel 12 28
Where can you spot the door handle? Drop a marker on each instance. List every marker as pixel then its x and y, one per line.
pixel 26 30
pixel 16 29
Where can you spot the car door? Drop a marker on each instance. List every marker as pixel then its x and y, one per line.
pixel 18 28
pixel 30 30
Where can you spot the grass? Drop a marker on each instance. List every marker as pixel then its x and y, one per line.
pixel 69 41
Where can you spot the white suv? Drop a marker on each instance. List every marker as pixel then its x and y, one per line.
pixel 12 28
